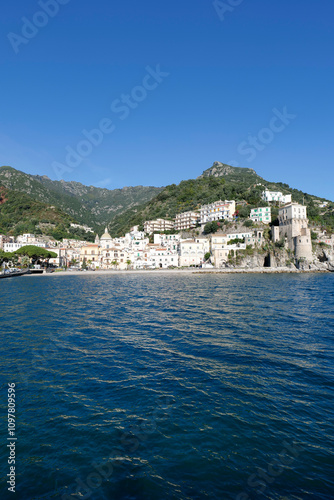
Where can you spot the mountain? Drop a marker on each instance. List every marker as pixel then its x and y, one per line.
pixel 20 213
pixel 233 173
pixel 122 208
pixel 89 205
pixel 223 182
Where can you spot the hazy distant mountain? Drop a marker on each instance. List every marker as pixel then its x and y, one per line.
pixel 89 205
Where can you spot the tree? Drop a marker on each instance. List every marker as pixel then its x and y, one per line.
pixel 5 256
pixel 244 212
pixel 128 263
pixel 114 263
pixel 25 261
pixel 84 263
pixel 36 253
pixel 211 227
pixel 207 256
pixel 235 241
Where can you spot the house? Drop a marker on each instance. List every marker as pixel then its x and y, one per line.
pixel 161 257
pixel 170 241
pixel 261 214
pixel 91 253
pixel 192 252
pixel 271 196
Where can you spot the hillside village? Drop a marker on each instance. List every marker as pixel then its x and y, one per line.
pixel 211 237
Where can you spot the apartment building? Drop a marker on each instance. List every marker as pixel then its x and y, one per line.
pixel 151 226
pixel 218 210
pixel 186 220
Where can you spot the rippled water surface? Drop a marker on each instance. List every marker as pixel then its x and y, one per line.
pixel 169 386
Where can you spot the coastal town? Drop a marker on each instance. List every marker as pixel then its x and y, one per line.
pixel 210 237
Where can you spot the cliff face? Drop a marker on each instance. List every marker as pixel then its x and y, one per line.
pixel 281 258
pixel 219 169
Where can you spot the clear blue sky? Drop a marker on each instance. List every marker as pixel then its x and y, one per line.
pixel 224 71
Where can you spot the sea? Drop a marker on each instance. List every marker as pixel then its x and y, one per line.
pixel 167 386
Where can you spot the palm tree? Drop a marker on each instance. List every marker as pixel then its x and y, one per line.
pixel 25 261
pixel 114 263
pixel 128 263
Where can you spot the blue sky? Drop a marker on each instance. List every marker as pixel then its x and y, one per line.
pixel 171 86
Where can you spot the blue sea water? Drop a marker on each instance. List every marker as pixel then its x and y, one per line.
pixel 146 386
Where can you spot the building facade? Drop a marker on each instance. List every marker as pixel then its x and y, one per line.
pixel 216 211
pixel 276 196
pixel 293 227
pixel 151 226
pixel 261 214
pixel 186 220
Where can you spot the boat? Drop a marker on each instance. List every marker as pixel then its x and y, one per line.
pixel 14 273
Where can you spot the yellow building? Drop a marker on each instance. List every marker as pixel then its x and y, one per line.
pixel 91 253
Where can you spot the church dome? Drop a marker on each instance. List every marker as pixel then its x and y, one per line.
pixel 106 235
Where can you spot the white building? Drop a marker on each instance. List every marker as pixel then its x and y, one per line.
pixel 151 226
pixel 218 210
pixel 276 196
pixel 162 258
pixel 222 241
pixel 85 228
pixel 186 220
pixel 292 211
pixel 192 252
pixel 169 241
pixel 220 245
pixel 261 214
pixel 12 247
pixel 26 238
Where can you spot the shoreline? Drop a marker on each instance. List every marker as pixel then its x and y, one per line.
pixel 259 270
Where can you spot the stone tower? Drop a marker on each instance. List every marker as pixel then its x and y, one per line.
pixel 293 225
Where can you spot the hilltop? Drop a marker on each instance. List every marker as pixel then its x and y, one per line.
pixel 122 208
pixel 223 182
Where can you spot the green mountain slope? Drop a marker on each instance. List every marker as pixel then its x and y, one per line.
pixel 122 208
pixel 218 182
pixel 19 213
pixel 89 205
